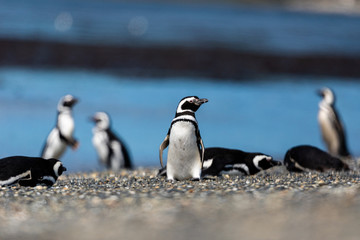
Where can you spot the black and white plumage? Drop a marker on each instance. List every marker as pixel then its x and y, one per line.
pixel 224 160
pixel 111 150
pixel 62 135
pixel 29 171
pixel 332 129
pixel 308 158
pixel 218 160
pixel 186 148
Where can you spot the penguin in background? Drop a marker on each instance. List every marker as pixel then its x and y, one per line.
pixel 29 171
pixel 331 127
pixel 62 135
pixel 186 149
pixel 110 149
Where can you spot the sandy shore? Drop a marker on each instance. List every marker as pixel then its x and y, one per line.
pixel 139 205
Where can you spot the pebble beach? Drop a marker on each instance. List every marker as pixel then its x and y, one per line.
pixel 273 204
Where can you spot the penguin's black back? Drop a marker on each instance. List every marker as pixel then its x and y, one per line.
pixel 14 165
pixel 113 137
pixel 343 149
pixel 228 155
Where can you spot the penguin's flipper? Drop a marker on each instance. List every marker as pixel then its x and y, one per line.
pixel 28 181
pixel 202 150
pixel 75 145
pixel 163 145
pixel 72 142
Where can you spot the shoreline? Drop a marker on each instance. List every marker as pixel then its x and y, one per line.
pixel 136 204
pixel 215 63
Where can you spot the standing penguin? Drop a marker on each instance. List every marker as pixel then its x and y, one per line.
pixel 111 151
pixel 29 171
pixel 62 135
pixel 332 129
pixel 186 148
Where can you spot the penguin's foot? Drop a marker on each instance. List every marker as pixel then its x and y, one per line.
pixel 195 179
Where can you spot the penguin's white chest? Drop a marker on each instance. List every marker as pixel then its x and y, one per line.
pixel 66 124
pixel 328 130
pixel 184 159
pixel 101 141
pixel 55 147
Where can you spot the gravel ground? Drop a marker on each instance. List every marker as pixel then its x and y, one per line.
pixel 136 204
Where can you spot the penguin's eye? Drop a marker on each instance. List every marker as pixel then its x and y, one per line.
pixel 191 101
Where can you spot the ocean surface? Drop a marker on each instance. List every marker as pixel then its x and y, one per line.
pixel 267 115
pixel 151 23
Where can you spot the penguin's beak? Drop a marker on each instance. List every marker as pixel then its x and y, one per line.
pixel 71 102
pixel 74 101
pixel 64 169
pixel 275 163
pixel 93 119
pixel 201 101
pixel 320 92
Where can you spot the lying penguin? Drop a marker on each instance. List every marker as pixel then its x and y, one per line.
pixel 309 158
pixel 224 160
pixel 30 171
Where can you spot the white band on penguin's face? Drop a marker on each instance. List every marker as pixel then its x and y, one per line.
pixel 56 168
pixel 64 99
pixel 179 108
pixel 104 120
pixel 328 96
pixel 258 158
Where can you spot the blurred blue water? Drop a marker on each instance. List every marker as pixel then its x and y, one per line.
pixel 268 116
pixel 170 24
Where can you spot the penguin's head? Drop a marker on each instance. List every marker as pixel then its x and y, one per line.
pixel 265 162
pixel 101 119
pixel 327 94
pixel 58 167
pixel 191 103
pixel 67 102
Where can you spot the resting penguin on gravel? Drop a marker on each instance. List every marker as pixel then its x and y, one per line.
pixel 222 160
pixel 62 135
pixel 309 158
pixel 29 171
pixel 186 148
pixel 331 127
pixel 219 160
pixel 111 150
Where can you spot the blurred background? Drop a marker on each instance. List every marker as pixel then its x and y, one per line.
pixel 258 62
